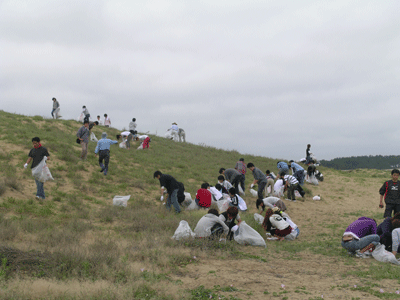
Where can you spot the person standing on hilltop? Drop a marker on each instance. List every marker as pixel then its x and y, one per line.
pixel 107 121
pixel 308 154
pixel 132 128
pixel 37 154
pixel 171 186
pixel 55 106
pixel 241 168
pixel 391 193
pixel 86 113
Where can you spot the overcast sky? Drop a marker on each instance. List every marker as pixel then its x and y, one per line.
pixel 260 77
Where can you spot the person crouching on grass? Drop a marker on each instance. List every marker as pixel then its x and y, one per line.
pixel 37 154
pixel 236 200
pixel 229 217
pixel 280 227
pixel 103 148
pixel 211 226
pixel 203 196
pixel 360 237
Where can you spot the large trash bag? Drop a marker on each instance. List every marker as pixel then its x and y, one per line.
pixel 81 117
pixel 253 192
pixel 93 137
pixel 183 231
pixel 259 218
pixel 188 199
pixel 223 205
pixel 192 206
pixel 312 179
pixel 382 255
pixel 245 235
pixel 241 192
pixel 56 113
pixel 121 200
pixel 41 172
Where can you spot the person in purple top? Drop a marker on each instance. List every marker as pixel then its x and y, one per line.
pixel 360 234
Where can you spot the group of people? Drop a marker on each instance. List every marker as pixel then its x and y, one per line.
pixel 363 235
pixel 359 238
pixel 86 116
pixel 228 190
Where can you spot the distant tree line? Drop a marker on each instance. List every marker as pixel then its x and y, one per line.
pixel 363 162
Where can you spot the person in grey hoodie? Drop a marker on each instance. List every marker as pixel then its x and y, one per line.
pixel 55 106
pixel 211 225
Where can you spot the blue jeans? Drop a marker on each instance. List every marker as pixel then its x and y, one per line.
pixel 299 176
pixel 40 189
pixel 173 199
pixel 354 244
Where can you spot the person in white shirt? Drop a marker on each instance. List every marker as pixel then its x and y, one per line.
pixel 145 141
pixel 236 200
pixel 107 121
pixel 174 131
pixel 270 202
pixel 291 184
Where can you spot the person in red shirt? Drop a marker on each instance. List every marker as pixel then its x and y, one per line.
pixel 203 196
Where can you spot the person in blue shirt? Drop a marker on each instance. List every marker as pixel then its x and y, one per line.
pixel 298 171
pixel 103 148
pixel 282 167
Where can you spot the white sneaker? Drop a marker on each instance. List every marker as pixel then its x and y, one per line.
pixel 361 255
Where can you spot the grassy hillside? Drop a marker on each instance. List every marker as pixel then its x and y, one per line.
pixel 76 245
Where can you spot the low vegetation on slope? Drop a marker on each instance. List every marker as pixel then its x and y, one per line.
pixel 77 245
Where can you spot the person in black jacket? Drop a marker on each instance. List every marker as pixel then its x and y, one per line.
pixel 229 217
pixel 391 193
pixel 169 183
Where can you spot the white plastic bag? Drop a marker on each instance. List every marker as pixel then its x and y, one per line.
pixel 316 198
pixel 121 200
pixel 122 144
pixel 382 255
pixel 279 188
pixel 241 192
pixel 93 137
pixel 168 135
pixel 259 218
pixel 57 113
pixel 246 235
pixel 223 205
pixel 188 199
pixel 183 231
pixel 41 172
pixel 311 179
pixel 192 206
pixel 253 192
pixel 81 117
